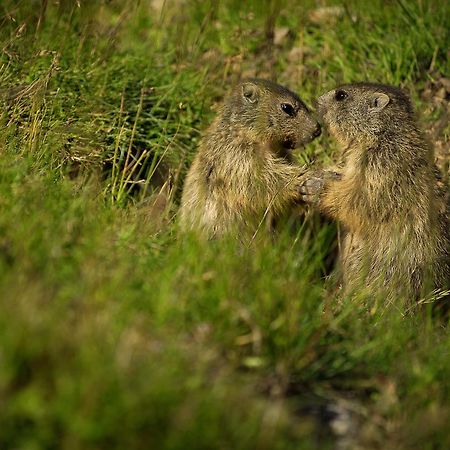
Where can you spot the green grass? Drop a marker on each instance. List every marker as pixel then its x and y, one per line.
pixel 118 332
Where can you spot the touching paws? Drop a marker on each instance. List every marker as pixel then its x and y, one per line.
pixel 315 183
pixel 311 189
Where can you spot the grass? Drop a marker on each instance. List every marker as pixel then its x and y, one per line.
pixel 117 332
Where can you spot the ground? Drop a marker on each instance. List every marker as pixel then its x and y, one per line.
pixel 116 331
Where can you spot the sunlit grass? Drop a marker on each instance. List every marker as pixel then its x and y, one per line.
pixel 118 332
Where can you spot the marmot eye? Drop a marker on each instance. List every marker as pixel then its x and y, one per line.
pixel 288 109
pixel 340 95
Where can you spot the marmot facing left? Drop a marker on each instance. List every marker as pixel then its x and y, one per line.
pixel 243 168
pixel 395 222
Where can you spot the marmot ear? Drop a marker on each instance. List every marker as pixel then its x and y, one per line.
pixel 378 101
pixel 250 92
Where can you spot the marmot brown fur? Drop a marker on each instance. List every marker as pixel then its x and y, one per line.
pixel 244 168
pixel 395 221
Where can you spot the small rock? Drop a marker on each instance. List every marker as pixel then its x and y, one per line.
pixel 326 14
pixel 280 34
pixel 445 83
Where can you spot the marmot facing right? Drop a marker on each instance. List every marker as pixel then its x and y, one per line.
pixel 385 195
pixel 243 168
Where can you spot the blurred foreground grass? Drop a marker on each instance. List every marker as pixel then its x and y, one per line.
pixel 116 333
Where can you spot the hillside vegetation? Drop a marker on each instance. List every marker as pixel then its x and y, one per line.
pixel 118 333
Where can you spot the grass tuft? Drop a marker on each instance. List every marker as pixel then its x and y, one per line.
pixel 117 332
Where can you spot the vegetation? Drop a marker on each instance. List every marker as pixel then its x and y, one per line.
pixel 117 332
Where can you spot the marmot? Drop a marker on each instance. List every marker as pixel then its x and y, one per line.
pixel 244 166
pixel 396 223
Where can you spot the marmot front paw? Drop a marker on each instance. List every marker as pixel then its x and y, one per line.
pixel 315 183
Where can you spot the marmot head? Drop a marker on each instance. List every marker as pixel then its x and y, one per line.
pixel 271 113
pixel 364 112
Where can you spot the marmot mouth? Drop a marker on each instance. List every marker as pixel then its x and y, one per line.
pixel 289 144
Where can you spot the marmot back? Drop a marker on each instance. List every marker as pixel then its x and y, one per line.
pixel 243 169
pixel 385 194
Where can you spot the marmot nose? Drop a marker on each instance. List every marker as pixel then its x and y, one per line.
pixel 317 131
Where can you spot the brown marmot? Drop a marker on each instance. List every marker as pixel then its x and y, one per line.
pixel 396 224
pixel 244 169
